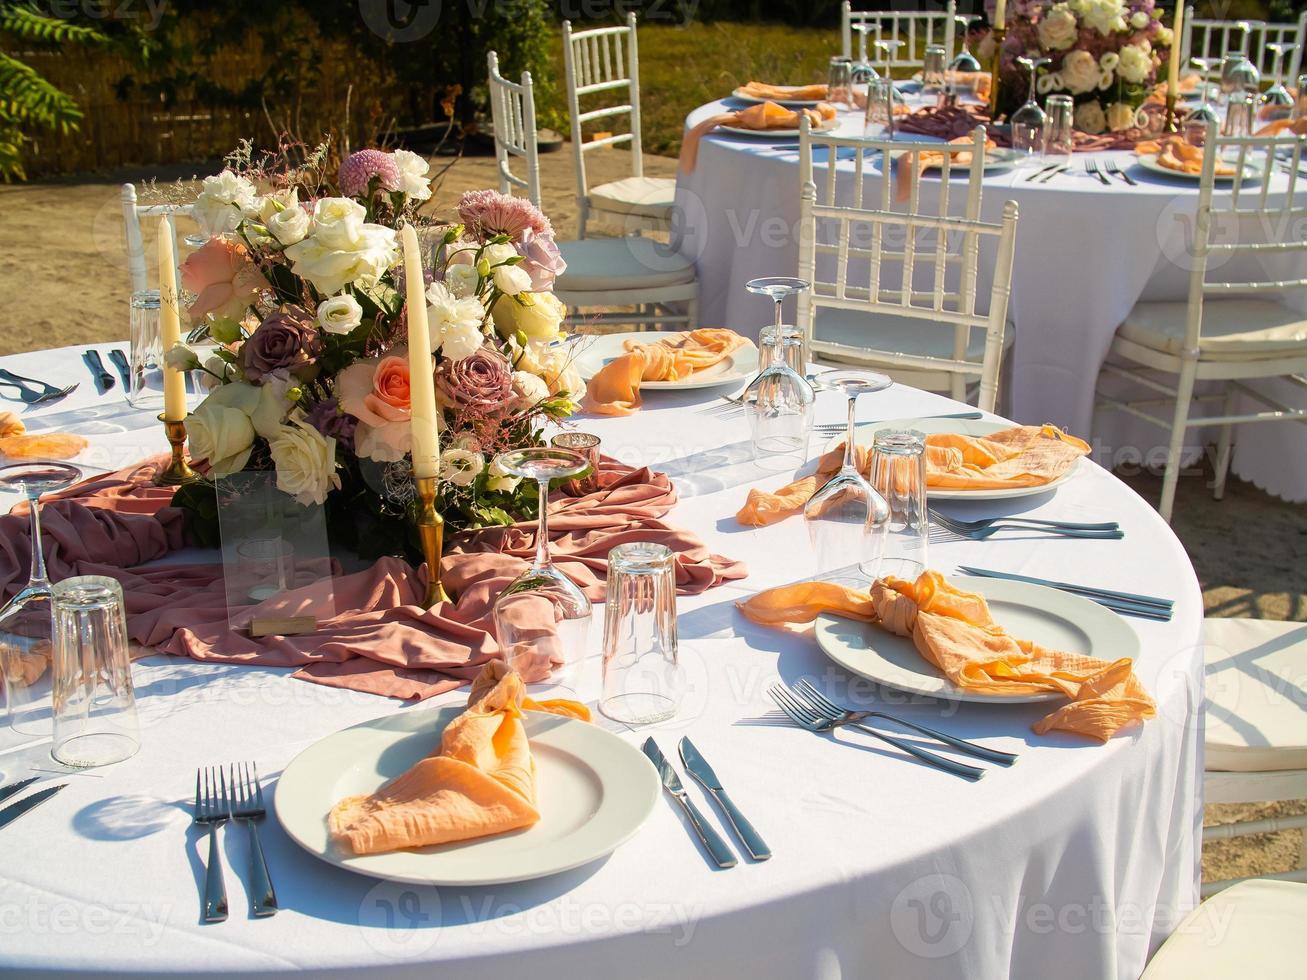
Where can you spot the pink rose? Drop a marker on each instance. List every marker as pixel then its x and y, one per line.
pixel 223 278
pixel 481 383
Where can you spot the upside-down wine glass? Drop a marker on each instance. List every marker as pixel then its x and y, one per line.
pixel 863 71
pixel 1238 74
pixel 888 50
pixel 25 693
pixel 1028 122
pixel 844 516
pixel 1204 112
pixel 1277 99
pixel 542 618
pixel 964 68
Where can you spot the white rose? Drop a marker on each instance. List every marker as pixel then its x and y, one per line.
pixel 1120 116
pixel 1135 63
pixel 214 365
pixel 305 461
pixel 1079 71
pixel 181 358
pixel 462 280
pixel 498 253
pixel 1104 16
pixel 461 466
pixel 558 370
pixel 289 226
pixel 223 202
pixel 500 481
pixel 343 249
pixel 340 314
pixel 530 389
pixel 413 169
pixel 1089 118
pixel 220 430
pixel 537 315
pixel 1058 29
pixel 511 279
pixel 1165 37
pixel 1139 20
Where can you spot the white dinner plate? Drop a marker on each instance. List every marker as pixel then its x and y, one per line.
pixel 968 427
pixel 996 160
pixel 1050 618
pixel 1149 162
pixel 788 103
pixel 739 366
pixel 826 126
pixel 593 792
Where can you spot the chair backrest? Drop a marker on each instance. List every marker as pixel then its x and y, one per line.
pixel 1246 213
pixel 916 28
pixel 604 59
pixel 1216 38
pixel 852 264
pixel 513 110
pixel 132 215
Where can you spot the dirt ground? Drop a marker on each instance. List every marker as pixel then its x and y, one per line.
pixel 68 265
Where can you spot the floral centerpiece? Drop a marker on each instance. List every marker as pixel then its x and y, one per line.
pixel 1105 55
pixel 299 295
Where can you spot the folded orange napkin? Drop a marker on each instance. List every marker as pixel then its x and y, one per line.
pixel 16 444
pixel 763 116
pixel 783 93
pixel 1298 127
pixel 1174 153
pixel 1022 456
pixel 481 782
pixel 615 390
pixel 927 160
pixel 954 631
pixel 1187 84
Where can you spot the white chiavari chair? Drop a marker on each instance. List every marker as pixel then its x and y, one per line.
pixel 637 272
pixel 930 335
pixel 1224 332
pixel 1216 38
pixel 603 60
pixel 132 215
pixel 915 28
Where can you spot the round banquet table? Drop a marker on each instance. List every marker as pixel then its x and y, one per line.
pixel 1078 860
pixel 1085 254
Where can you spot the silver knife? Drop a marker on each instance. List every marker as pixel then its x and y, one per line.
pixel 697 766
pixel 12 788
pixel 710 838
pixel 15 810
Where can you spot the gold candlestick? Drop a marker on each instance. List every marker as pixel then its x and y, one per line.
pixel 1172 122
pixel 998 33
pixel 178 471
pixel 431 528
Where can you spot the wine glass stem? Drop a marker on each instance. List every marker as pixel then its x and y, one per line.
pixel 780 316
pixel 542 528
pixel 850 440
pixel 39 577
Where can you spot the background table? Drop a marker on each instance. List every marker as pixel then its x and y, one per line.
pixel 1086 253
pixel 1077 860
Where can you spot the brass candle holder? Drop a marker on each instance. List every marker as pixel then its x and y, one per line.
pixel 1171 123
pixel 998 32
pixel 431 529
pixel 178 471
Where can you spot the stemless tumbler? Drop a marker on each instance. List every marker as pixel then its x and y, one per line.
pixel 587 444
pixel 1059 140
pixel 839 85
pixel 898 472
pixel 146 390
pixel 642 672
pixel 95 720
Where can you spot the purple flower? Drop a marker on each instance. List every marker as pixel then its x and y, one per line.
pixel 328 419
pixel 541 259
pixel 481 383
pixel 489 213
pixel 288 341
pixel 358 169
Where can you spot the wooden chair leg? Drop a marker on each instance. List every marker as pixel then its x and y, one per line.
pixel 1184 394
pixel 1224 447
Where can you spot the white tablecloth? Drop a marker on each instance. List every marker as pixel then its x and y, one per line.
pixel 1085 255
pixel 1076 861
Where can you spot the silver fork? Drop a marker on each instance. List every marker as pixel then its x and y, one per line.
pixel 1116 171
pixel 30 396
pixel 987 522
pixel 805 716
pixel 834 712
pixel 980 534
pixel 247 805
pixel 1091 168
pixel 211 810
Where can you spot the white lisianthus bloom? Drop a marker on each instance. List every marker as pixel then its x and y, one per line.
pixel 456 323
pixel 1058 28
pixel 500 481
pixel 1164 37
pixel 1105 80
pixel 290 224
pixel 458 342
pixel 559 371
pixel 179 357
pixel 462 280
pixel 224 200
pixel 466 440
pixel 461 466
pixel 511 279
pixel 343 248
pixel 1120 115
pixel 305 461
pixel 413 169
pixel 1104 16
pixel 529 388
pixel 1089 118
pixel 1135 63
pixel 214 365
pixel 1109 61
pixel 499 253
pixel 1048 83
pixel 1139 20
pixel 340 314
pixel 1079 71
pixel 220 430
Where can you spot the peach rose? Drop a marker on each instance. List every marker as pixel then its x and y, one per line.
pixel 376 392
pixel 223 278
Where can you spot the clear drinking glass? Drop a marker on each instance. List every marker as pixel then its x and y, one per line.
pixel 588 446
pixel 146 359
pixel 934 63
pixel 898 472
pixel 643 683
pixel 266 566
pixel 1240 114
pixel 845 516
pixel 542 618
pixel 95 720
pixel 1029 120
pixel 1059 141
pixel 26 617
pixel 879 121
pixel 839 82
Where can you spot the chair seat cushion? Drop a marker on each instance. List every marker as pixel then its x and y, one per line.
pixel 597 264
pixel 648 196
pixel 1256 680
pixel 1232 329
pixel 886 332
pixel 1252 929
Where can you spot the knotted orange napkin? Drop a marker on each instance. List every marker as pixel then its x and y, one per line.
pixel 925 161
pixel 784 93
pixel 481 782
pixel 16 444
pixel 1174 153
pixel 1022 456
pixel 763 116
pixel 954 631
pixel 615 390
